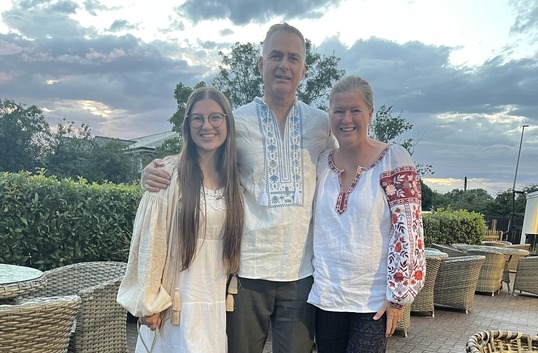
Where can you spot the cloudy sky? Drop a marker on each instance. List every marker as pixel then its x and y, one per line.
pixel 464 73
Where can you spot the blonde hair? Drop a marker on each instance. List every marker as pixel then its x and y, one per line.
pixel 348 83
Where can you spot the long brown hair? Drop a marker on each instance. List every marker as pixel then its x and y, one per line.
pixel 191 180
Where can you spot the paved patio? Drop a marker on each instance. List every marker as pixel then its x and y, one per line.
pixel 449 330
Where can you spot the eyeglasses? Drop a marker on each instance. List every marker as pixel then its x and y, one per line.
pixel 215 119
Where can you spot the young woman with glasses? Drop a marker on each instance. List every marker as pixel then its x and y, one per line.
pixel 186 238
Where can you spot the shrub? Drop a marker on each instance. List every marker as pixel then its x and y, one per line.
pixel 46 222
pixel 446 226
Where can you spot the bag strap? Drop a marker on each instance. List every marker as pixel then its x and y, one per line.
pixel 156 333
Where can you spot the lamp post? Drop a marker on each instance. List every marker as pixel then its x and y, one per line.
pixel 511 227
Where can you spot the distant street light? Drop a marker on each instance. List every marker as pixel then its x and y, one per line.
pixel 511 228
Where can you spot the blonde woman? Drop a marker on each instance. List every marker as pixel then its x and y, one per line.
pixel 369 259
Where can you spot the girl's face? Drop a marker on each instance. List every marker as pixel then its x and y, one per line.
pixel 350 116
pixel 207 126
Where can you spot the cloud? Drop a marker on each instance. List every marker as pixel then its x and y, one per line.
pixel 93 7
pixel 121 25
pixel 64 6
pixel 242 12
pixel 44 20
pixel 467 119
pixel 50 60
pixel 464 118
pixel 527 17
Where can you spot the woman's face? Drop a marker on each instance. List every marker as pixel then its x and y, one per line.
pixel 207 137
pixel 350 116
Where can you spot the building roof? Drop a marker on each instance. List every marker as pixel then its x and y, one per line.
pixel 143 143
pixel 101 140
pixel 151 142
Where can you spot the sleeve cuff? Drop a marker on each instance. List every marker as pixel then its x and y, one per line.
pixel 396 305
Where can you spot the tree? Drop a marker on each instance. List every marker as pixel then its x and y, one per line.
pixel 478 200
pixel 70 150
pixel 439 201
pixel 76 154
pixel 321 74
pixel 502 204
pixel 24 137
pixel 168 147
pixel 475 200
pixel 181 94
pixel 110 162
pixel 388 128
pixel 240 80
pixel 238 76
pixel 427 196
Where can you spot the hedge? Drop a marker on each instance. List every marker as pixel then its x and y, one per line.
pixel 447 226
pixel 46 222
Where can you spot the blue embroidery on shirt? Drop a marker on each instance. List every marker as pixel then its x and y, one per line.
pixel 283 157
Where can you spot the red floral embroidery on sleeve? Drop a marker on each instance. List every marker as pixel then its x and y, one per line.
pixel 406 258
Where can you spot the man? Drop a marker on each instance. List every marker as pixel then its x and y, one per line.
pixel 278 142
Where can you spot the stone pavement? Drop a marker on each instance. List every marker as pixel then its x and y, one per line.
pixel 449 330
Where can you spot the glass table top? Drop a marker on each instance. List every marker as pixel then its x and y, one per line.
pixel 14 274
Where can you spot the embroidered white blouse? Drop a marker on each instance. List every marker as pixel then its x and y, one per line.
pixel 368 241
pixel 278 173
pixel 152 273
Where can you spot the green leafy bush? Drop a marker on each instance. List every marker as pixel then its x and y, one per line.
pixel 46 222
pixel 447 226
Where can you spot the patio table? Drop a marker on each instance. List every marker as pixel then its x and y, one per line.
pixel 432 252
pixel 508 252
pixel 17 281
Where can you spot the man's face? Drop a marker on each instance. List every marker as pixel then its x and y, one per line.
pixel 282 65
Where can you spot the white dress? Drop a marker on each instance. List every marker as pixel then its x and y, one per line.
pixel 202 287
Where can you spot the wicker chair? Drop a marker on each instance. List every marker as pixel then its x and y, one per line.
pixel 491 272
pixel 456 281
pixel 500 244
pixel 493 235
pixel 405 322
pixel 423 302
pixel 101 322
pixel 41 325
pixel 511 254
pixel 501 341
pixel 527 275
pixel 448 249
pixel 520 246
pixel 514 259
